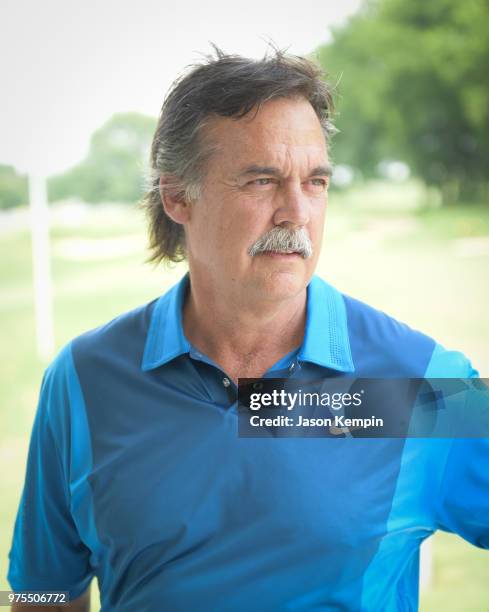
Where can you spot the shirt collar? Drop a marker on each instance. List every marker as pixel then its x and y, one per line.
pixel 326 340
pixel 165 339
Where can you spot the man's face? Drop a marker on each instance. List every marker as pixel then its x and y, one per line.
pixel 270 170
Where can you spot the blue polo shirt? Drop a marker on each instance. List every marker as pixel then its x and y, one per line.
pixel 136 475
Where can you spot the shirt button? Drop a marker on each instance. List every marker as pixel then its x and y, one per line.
pixel 226 382
pixel 292 366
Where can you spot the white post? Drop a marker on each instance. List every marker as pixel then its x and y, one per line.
pixel 43 296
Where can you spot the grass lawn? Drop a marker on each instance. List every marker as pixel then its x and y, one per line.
pixel 425 267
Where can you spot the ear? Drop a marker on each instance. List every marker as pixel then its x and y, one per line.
pixel 173 199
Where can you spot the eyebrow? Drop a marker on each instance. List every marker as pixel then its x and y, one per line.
pixel 253 170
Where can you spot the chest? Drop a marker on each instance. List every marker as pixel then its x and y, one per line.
pixel 192 482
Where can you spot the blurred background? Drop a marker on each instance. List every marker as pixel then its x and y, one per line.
pixel 408 220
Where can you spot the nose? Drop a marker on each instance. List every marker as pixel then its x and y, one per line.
pixel 293 207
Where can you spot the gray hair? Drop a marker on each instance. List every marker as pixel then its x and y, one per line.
pixel 282 240
pixel 225 86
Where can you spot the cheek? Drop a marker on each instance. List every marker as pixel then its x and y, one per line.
pixel 317 222
pixel 228 230
pixel 244 225
pixel 228 238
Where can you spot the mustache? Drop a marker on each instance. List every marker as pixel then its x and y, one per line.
pixel 282 239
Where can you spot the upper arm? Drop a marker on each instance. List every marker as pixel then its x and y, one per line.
pixel 463 501
pixel 47 552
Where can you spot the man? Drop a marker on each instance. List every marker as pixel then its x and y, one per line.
pixel 136 473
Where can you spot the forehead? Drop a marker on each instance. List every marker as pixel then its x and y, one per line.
pixel 280 131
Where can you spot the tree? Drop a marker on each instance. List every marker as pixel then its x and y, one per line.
pixel 13 188
pixel 114 167
pixel 414 87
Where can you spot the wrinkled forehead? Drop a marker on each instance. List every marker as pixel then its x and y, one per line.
pixel 282 131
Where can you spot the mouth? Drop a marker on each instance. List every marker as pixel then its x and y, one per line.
pixel 286 254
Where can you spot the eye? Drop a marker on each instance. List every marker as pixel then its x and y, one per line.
pixel 317 184
pixel 262 181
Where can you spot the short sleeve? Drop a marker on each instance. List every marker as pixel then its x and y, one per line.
pixel 47 552
pixel 449 364
pixel 463 503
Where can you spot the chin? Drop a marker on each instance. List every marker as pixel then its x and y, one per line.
pixel 283 285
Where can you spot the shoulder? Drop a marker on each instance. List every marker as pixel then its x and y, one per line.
pixel 119 342
pixel 378 327
pixel 381 345
pixel 120 339
pixel 119 334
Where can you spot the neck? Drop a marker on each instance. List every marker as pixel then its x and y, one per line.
pixel 244 339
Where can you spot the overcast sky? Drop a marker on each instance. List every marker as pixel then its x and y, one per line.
pixel 67 66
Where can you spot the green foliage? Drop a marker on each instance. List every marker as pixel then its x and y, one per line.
pixel 114 167
pixel 13 188
pixel 413 86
